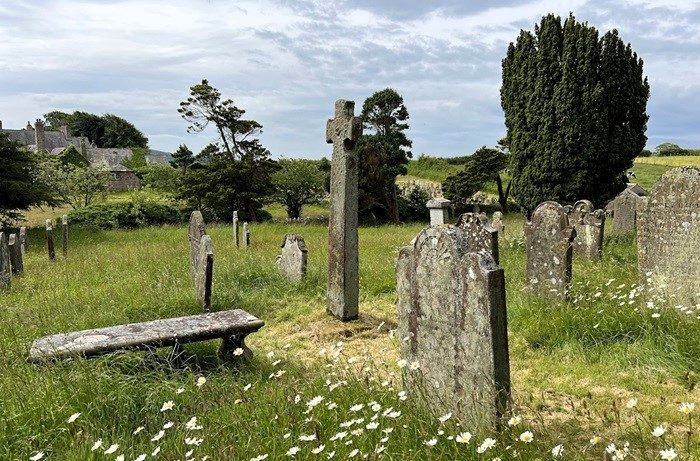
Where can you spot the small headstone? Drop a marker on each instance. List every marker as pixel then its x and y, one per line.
pixel 625 209
pixel 49 240
pixel 15 255
pixel 497 223
pixel 548 243
pixel 292 261
pixel 452 321
pixel 23 239
pixel 479 234
pixel 343 272
pixel 64 234
pixel 439 211
pixel 668 236
pixel 589 224
pixel 204 272
pixel 246 234
pixel 5 266
pixel 236 229
pixel 196 231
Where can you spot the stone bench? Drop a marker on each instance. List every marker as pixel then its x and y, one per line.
pixel 232 326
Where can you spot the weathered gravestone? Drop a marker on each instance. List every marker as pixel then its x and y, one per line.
pixel 343 273
pixel 497 223
pixel 292 261
pixel 15 255
pixel 246 235
pixel 452 318
pixel 624 209
pixel 236 229
pixel 5 266
pixel 23 239
pixel 548 242
pixel 201 259
pixel 49 240
pixel 668 237
pixel 64 234
pixel 196 231
pixel 439 210
pixel 480 235
pixel 588 224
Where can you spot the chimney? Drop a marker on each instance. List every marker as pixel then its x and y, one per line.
pixel 63 129
pixel 29 127
pixel 0 124
pixel 39 136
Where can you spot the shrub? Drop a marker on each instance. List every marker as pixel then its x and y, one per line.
pixel 126 215
pixel 667 149
pixel 411 202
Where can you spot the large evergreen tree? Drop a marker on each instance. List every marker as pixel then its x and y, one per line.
pixel 575 110
pixel 382 153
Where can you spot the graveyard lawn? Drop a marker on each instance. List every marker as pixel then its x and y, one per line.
pixel 614 363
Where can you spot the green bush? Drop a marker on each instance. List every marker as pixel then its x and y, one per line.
pixel 411 202
pixel 126 215
pixel 667 150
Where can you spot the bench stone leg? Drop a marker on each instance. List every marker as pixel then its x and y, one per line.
pixel 229 346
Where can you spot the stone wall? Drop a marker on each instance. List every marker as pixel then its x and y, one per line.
pixel 120 181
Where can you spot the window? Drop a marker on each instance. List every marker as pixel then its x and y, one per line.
pixel 114 176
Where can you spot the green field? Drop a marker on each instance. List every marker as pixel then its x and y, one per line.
pixel 574 367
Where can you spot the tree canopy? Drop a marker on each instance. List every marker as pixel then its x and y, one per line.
pixel 298 183
pixel 106 130
pixel 575 112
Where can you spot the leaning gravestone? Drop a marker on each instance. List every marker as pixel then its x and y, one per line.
pixel 668 237
pixel 204 272
pixel 497 223
pixel 5 266
pixel 15 255
pixel 343 272
pixel 236 229
pixel 548 242
pixel 49 240
pixel 23 239
pixel 624 209
pixel 452 316
pixel 195 233
pixel 588 224
pixel 480 235
pixel 292 261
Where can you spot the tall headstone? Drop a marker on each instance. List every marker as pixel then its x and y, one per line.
pixel 246 235
pixel 452 318
pixel 668 236
pixel 15 250
pixel 204 272
pixel 5 266
pixel 439 210
pixel 236 229
pixel 548 243
pixel 196 231
pixel 49 240
pixel 624 209
pixel 292 261
pixel 589 225
pixel 64 234
pixel 479 234
pixel 23 239
pixel 343 273
pixel 497 223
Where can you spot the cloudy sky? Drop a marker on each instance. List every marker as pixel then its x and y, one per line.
pixel 285 62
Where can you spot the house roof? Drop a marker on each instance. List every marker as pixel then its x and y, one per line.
pixel 52 139
pixel 109 158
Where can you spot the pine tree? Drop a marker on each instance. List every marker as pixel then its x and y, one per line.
pixel 183 158
pixel 575 110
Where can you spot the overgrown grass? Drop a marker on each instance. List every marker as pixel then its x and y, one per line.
pixel 574 366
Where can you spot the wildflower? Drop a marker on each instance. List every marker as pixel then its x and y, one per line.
pixel 464 437
pixel 201 380
pixel 330 454
pixel 168 425
pixel 658 431
pixel 315 401
pixel 332 405
pixel 280 373
pixel 357 432
pixel 655 315
pixel 119 458
pixel 414 366
pixel 394 414
pixel 246 387
pixel 158 436
pixel 180 390
pixel 270 354
pixel 357 407
pixel 402 395
pixel 37 456
pixel 141 457
pixel 595 440
pixel 388 430
pixel 402 363
pixel 114 447
pixel 73 417
pixel 353 453
pixel 259 457
pixel 318 449
pixel 96 445
pixel 485 445
pixel 668 455
pixel 156 451
pixel 192 424
pixel 372 425
pixel 339 436
pixel 445 417
pixel 167 406
pixel 379 449
pixel 526 437
pixel 514 421
pixel 238 351
pixel 631 403
pixel 376 407
pixel 687 407
pixel 137 430
pixel 293 451
pixel 558 451
pixel 193 441
pixel 307 438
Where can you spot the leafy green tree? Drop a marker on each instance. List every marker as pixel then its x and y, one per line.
pixel 183 158
pixel 107 130
pixel 75 185
pixel 119 132
pixel 667 149
pixel 88 125
pixel 159 177
pixel 482 167
pixel 325 166
pixel 298 183
pixel 56 119
pixel 382 154
pixel 236 171
pixel 19 188
pixel 575 112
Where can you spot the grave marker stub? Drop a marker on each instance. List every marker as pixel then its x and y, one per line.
pixel 497 222
pixel 452 321
pixel 343 277
pixel 292 262
pixel 5 267
pixel 23 239
pixel 589 224
pixel 246 234
pixel 439 210
pixel 479 234
pixel 204 272
pixel 236 229
pixel 64 234
pixel 49 240
pixel 548 243
pixel 668 235
pixel 15 255
pixel 196 231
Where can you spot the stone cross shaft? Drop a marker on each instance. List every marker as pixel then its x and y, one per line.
pixel 343 278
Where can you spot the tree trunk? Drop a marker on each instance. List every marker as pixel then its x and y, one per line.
pixel 393 205
pixel 503 196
